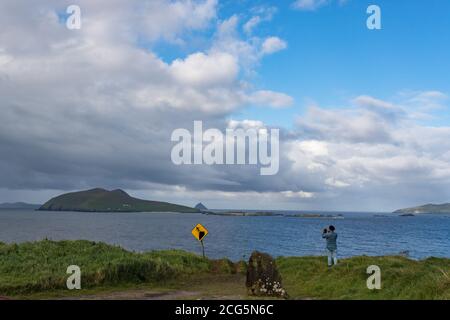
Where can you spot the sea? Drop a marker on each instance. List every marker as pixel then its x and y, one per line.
pixel 235 237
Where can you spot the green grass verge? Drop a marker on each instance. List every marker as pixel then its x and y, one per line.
pixel 41 266
pixel 401 278
pixel 38 269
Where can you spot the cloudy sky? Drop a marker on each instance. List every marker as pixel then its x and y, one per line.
pixel 363 114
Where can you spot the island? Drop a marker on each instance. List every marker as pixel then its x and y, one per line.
pixel 243 213
pixel 101 200
pixel 428 208
pixel 317 215
pixel 18 205
pixel 200 206
pixel 239 213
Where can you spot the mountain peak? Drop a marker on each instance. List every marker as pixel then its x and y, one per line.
pixel 97 190
pixel 200 206
pixel 119 191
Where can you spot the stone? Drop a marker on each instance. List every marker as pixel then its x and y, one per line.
pixel 263 278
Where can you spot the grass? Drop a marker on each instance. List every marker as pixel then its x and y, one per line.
pixel 41 266
pixel 401 278
pixel 38 270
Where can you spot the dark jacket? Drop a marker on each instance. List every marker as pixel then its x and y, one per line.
pixel 331 240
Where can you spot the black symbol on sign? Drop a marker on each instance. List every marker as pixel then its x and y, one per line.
pixel 201 234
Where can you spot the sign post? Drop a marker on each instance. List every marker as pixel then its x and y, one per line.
pixel 199 232
pixel 203 248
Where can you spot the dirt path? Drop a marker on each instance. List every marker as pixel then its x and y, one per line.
pixel 217 287
pixel 154 295
pixel 137 295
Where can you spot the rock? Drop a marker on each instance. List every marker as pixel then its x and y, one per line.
pixel 404 253
pixel 263 278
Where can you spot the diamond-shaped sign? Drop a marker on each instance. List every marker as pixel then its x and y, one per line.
pixel 199 232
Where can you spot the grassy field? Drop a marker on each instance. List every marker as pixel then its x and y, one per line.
pixel 401 278
pixel 38 270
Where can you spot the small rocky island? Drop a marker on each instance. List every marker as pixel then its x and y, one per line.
pixel 19 205
pixel 318 215
pixel 200 206
pixel 101 200
pixel 244 213
pixel 272 214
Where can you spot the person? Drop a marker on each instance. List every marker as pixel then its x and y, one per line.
pixel 331 238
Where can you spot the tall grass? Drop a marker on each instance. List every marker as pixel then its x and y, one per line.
pixel 401 278
pixel 41 266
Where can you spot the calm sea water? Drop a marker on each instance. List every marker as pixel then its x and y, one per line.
pixel 236 237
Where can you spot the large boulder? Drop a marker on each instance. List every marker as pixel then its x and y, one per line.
pixel 263 278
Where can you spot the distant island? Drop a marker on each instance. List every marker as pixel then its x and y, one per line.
pixel 272 214
pixel 428 208
pixel 18 205
pixel 243 213
pixel 200 206
pixel 101 200
pixel 318 215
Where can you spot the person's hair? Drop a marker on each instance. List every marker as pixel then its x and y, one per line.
pixel 332 228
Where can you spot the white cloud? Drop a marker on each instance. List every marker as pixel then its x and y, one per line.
pixel 336 183
pixel 272 45
pixel 298 194
pixel 309 4
pixel 356 125
pixel 371 149
pixel 262 14
pixel 96 106
pixel 312 5
pixel 251 24
pixel 250 50
pixel 426 101
pixel 245 124
pixel 206 69
pixel 270 98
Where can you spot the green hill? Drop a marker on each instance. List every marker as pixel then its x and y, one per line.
pixel 101 200
pixel 428 208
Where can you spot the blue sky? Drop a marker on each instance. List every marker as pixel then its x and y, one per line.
pixel 332 56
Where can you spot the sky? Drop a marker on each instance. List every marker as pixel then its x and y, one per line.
pixel 363 114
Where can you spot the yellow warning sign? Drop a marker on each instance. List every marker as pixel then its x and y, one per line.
pixel 199 232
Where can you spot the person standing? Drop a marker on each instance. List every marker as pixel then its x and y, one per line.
pixel 331 236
